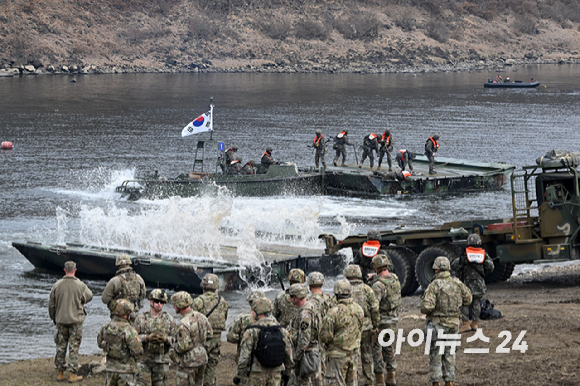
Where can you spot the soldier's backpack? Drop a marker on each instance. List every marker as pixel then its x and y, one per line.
pixel 270 349
pixel 130 287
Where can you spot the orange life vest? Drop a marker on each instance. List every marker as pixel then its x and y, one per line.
pixel 372 136
pixel 233 153
pixel 341 134
pixel 371 248
pixel 475 255
pixel 435 143
pixel 317 139
pixel 234 162
pixel 402 151
pixel 406 174
pixel 387 140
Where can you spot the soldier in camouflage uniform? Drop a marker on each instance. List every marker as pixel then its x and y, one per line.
pixel 66 308
pixel 340 142
pixel 249 371
pixel 386 143
pixel 304 334
pixel 191 334
pixel 125 285
pixel 319 144
pixel 370 145
pixel 471 267
pixel 242 322
pixel 341 332
pixel 431 147
pixel 387 290
pixel 364 296
pixel 284 310
pixel 215 308
pixel 266 161
pixel 442 302
pixel 365 254
pixel 120 343
pixel 156 329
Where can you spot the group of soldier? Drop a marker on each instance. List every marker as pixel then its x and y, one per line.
pixel 303 337
pixel 233 165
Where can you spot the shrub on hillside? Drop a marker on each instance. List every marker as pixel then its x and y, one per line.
pixel 358 26
pixel 201 27
pixel 406 20
pixel 277 28
pixel 525 25
pixel 437 29
pixel 310 30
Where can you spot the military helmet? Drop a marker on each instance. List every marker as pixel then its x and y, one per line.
pixel 123 307
pixel 255 295
pixel 318 132
pixel 373 234
pixel 353 271
pixel 380 261
pixel 296 275
pixel 342 287
pixel 269 149
pixel 388 132
pixel 235 147
pixel 252 162
pixel 442 263
pixel 298 290
pixel 436 137
pixel 262 306
pixel 122 259
pixel 210 281
pixel 474 239
pixel 315 279
pixel 158 294
pixel 181 299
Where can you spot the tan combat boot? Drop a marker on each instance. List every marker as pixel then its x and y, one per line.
pixel 379 379
pixel 391 378
pixel 474 325
pixel 334 162
pixel 436 383
pixel 449 383
pixel 360 165
pixel 390 168
pixel 343 164
pixel 60 376
pixel 378 168
pixel 72 377
pixel 465 327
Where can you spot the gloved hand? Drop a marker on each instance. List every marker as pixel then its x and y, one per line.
pixel 285 379
pixel 150 338
pixel 161 337
pixel 237 381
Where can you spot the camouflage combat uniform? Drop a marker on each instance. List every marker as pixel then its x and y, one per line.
pixel 237 329
pixel 266 161
pixel 155 360
pixel 120 342
pixel 370 145
pixel 249 369
pixel 442 302
pixel 191 335
pixel 340 142
pixel 404 158
pixel 303 331
pixel 386 148
pixel 364 296
pixel 248 168
pixel 341 332
pixel 364 262
pixel 125 285
pixel 204 304
pixel 319 146
pixel 66 307
pixel 431 147
pixel 284 310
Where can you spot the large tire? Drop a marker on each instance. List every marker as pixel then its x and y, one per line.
pixel 403 269
pixel 412 259
pixel 509 269
pixel 424 265
pixel 499 270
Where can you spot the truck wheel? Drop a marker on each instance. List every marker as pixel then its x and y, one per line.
pixel 424 266
pixel 403 270
pixel 411 259
pixel 509 269
pixel 499 271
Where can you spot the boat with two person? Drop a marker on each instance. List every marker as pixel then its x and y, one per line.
pixel 507 83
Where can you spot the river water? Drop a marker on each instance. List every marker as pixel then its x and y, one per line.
pixel 74 142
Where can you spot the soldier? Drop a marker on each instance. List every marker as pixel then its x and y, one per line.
pixel 242 322
pixel 283 309
pixel 431 147
pixel 340 142
pixel 341 332
pixel 266 161
pixel 249 167
pixel 235 166
pixel 261 364
pixel 471 267
pixel 442 302
pixel 365 254
pixel 215 308
pixel 120 343
pixel 66 308
pixel 230 155
pixel 386 143
pixel 404 158
pixel 387 290
pixel 125 285
pixel 323 303
pixel 370 144
pixel 364 296
pixel 191 335
pixel 320 149
pixel 304 335
pixel 156 329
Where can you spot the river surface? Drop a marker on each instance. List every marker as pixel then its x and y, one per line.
pixel 74 142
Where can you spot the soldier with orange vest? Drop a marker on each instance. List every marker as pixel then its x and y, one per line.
pixel 404 158
pixel 249 167
pixel 386 142
pixel 340 142
pixel 471 268
pixel 365 254
pixel 431 147
pixel 230 155
pixel 266 161
pixel 370 144
pixel 319 146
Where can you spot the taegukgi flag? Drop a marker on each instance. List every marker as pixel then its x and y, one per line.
pixel 199 125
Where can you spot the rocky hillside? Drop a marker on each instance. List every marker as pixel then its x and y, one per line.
pixel 284 35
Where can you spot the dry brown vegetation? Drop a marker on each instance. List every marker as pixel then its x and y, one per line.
pixel 301 34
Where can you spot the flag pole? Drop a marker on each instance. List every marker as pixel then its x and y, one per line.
pixel 211 118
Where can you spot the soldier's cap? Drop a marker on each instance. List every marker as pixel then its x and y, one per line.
pixel 442 263
pixel 70 265
pixel 262 306
pixel 298 290
pixel 269 149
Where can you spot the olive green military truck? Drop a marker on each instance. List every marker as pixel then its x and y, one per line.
pixel 544 228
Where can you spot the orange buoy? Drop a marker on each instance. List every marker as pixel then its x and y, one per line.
pixel 7 145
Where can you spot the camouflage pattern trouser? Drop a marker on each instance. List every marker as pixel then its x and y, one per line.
pixel 71 335
pixel 212 346
pixel 368 153
pixel 367 359
pixel 319 157
pixel 475 308
pixel 341 371
pixel 442 366
pixel 190 376
pixel 120 379
pixel 387 353
pixel 340 151
pixel 266 378
pixel 157 371
pixel 431 157
pixel 382 155
pixel 314 379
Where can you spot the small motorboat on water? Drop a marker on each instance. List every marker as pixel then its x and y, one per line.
pixel 507 83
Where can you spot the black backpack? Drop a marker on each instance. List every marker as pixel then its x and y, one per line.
pixel 270 350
